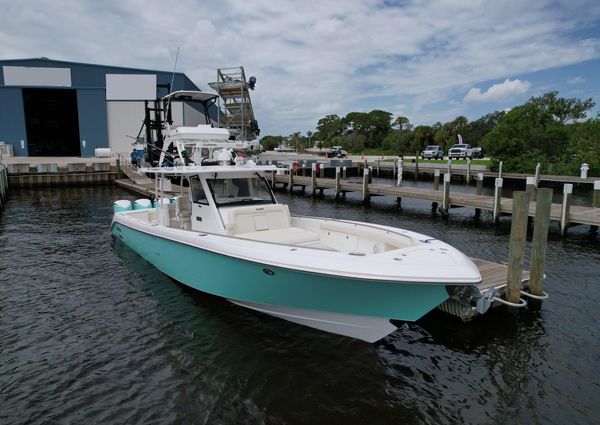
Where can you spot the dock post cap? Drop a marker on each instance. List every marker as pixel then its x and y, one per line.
pixel 436 172
pixel 530 181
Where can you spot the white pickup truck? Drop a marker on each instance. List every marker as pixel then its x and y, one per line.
pixel 460 151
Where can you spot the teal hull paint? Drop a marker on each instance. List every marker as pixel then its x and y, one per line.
pixel 243 280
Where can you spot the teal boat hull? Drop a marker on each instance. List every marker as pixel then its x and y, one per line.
pixel 259 283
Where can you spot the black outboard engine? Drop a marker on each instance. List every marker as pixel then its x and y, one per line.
pixel 252 82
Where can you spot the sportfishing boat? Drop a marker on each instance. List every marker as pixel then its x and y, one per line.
pixel 226 234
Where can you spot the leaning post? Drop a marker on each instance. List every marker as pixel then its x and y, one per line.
pixel 516 249
pixel 565 208
pixel 537 174
pixel 500 170
pixel 543 204
pixel 290 177
pixel 497 199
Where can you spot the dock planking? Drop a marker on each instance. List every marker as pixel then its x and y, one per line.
pixel 577 214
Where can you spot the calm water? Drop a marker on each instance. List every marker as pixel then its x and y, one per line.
pixel 90 333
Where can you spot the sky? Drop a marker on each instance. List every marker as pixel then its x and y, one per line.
pixel 428 60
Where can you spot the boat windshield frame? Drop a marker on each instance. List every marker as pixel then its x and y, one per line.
pixel 243 201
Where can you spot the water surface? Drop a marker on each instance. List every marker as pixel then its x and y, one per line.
pixel 91 333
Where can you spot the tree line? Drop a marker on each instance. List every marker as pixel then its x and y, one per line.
pixel 548 129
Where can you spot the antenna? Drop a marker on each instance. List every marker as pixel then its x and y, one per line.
pixel 172 81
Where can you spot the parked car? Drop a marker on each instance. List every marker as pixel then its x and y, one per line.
pixel 336 152
pixel 433 152
pixel 478 153
pixel 460 151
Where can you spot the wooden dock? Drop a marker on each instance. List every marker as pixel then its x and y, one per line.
pixel 565 213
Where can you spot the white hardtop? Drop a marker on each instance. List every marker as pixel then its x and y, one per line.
pixel 187 95
pixel 200 132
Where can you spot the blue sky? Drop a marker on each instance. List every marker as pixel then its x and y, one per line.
pixel 427 60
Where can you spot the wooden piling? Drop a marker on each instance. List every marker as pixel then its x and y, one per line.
pixel 516 249
pixel 543 204
pixel 322 171
pixel 313 178
pixel 436 179
pixel 479 183
pixel 291 178
pixel 119 171
pixel 417 165
pixel 378 169
pixel 337 182
pixel 530 186
pixel 497 199
pixel 596 201
pixel 365 188
pixel 400 172
pixel 446 198
pixel 468 170
pixel 566 208
pixel 344 172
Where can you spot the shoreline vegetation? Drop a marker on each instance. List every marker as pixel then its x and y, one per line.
pixel 554 131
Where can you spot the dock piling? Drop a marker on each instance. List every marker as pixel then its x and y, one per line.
pixel 290 178
pixel 516 249
pixel 566 208
pixel 337 182
pixel 543 204
pixel 596 201
pixel 365 188
pixel 436 179
pixel 479 183
pixel 400 172
pixel 313 178
pixel 344 172
pixel 446 198
pixel 417 165
pixel 530 186
pixel 468 170
pixel 497 199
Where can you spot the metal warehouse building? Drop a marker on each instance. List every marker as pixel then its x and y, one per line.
pixel 56 108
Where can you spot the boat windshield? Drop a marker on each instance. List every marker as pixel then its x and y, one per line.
pixel 238 191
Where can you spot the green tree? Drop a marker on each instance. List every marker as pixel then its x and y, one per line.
pixel 536 132
pixel 329 127
pixel 401 123
pixel 271 142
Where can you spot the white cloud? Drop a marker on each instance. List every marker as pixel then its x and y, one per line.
pixel 576 80
pixel 322 56
pixel 502 92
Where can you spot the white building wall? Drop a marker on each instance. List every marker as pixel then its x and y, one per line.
pixel 125 118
